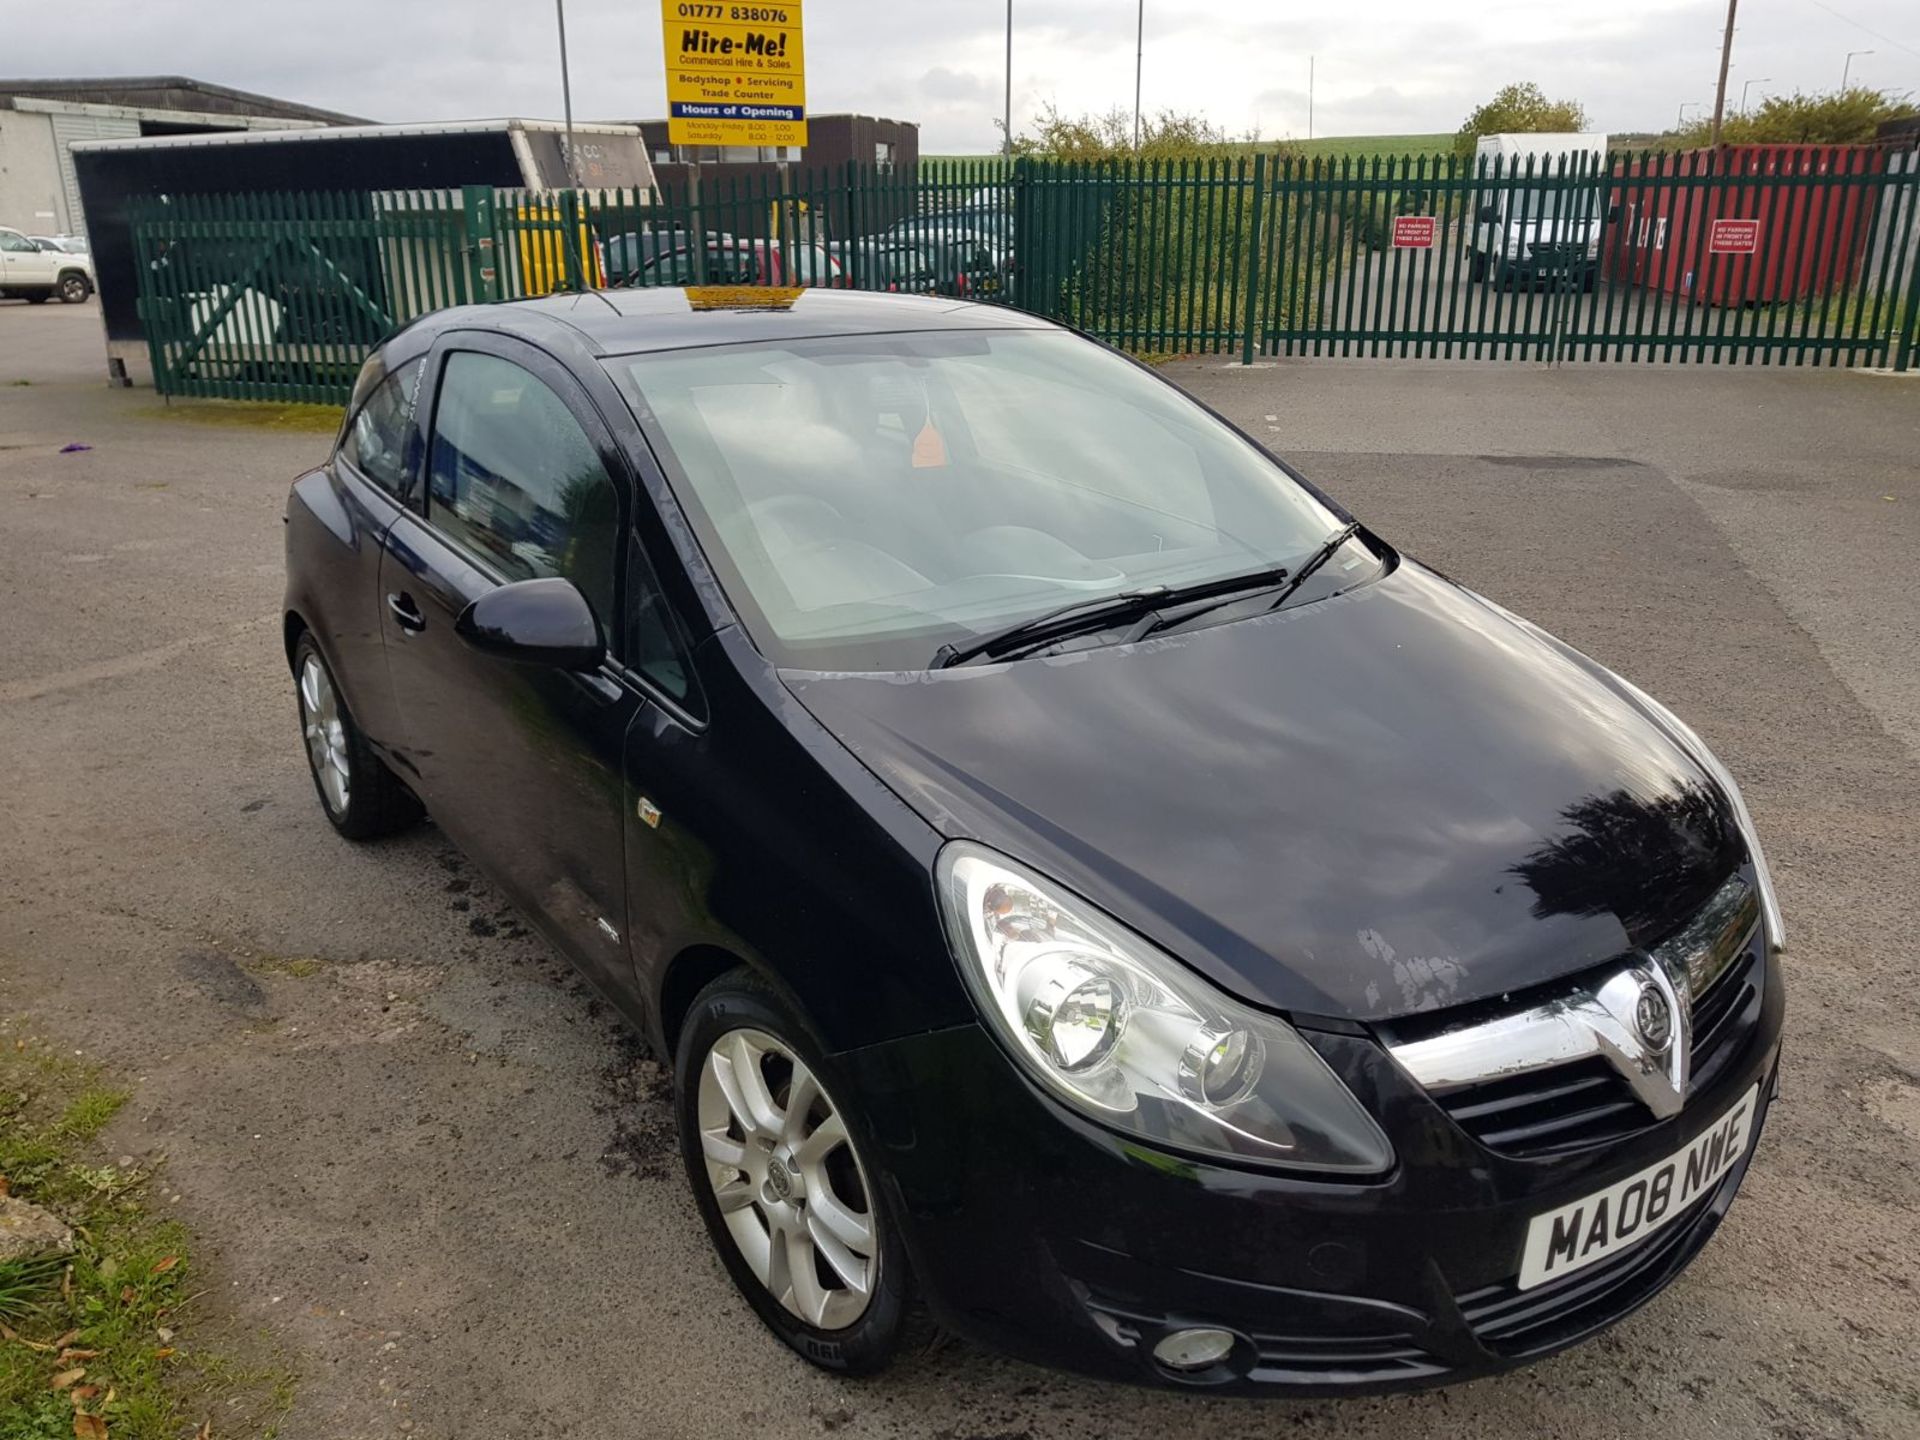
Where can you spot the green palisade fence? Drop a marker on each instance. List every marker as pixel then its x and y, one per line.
pixel 1630 257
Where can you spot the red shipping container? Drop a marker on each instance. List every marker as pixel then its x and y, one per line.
pixel 1744 224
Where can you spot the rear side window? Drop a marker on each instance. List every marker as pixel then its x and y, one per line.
pixel 376 442
pixel 515 480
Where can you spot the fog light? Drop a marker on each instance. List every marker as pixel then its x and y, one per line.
pixel 1194 1349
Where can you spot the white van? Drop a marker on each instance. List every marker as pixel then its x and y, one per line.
pixel 1539 208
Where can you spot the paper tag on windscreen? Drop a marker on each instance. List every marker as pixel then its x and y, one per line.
pixel 929 450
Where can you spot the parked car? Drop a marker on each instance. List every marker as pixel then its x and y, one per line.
pixel 736 262
pixel 625 257
pixel 28 272
pixel 966 263
pixel 1086 883
pixel 61 244
pixel 886 264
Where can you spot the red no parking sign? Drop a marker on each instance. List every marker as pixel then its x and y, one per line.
pixel 1734 237
pixel 1414 232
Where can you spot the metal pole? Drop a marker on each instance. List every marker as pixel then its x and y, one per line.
pixel 1726 59
pixel 566 86
pixel 1139 60
pixel 1847 69
pixel 1006 119
pixel 1746 85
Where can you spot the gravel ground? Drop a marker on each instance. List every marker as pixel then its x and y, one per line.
pixel 426 1165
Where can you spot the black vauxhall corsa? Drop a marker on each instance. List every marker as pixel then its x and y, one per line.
pixel 1094 893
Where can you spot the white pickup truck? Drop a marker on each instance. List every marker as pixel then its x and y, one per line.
pixel 29 273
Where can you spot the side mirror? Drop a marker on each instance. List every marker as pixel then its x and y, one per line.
pixel 1489 214
pixel 535 622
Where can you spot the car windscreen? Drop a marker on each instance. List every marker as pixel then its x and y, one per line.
pixel 866 499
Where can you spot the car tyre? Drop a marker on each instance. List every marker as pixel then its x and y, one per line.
pixel 789 1240
pixel 362 798
pixel 74 288
pixel 1477 266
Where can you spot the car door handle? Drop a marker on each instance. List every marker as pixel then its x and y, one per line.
pixel 405 613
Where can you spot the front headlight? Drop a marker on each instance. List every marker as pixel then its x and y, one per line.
pixel 1691 742
pixel 1126 1034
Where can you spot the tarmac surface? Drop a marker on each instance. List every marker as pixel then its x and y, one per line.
pixel 429 1169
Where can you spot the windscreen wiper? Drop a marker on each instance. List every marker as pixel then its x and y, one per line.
pixel 1328 549
pixel 1090 616
pixel 1159 619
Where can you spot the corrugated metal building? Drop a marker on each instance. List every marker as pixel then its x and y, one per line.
pixel 41 120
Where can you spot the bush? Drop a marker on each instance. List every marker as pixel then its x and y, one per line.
pixel 1522 108
pixel 1839 117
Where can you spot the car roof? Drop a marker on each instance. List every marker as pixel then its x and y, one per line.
pixel 655 318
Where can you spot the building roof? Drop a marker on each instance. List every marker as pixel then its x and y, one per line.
pixel 168 92
pixel 344 133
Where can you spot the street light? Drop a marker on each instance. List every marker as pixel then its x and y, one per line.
pixel 1680 117
pixel 1746 85
pixel 1139 59
pixel 1847 69
pixel 566 86
pixel 1006 119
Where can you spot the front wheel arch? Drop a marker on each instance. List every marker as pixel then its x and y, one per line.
pixel 696 966
pixel 292 627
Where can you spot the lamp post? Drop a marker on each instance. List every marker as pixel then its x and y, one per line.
pixel 1139 59
pixel 1847 69
pixel 1680 116
pixel 1006 114
pixel 566 86
pixel 1746 85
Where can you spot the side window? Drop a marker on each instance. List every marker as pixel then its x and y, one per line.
pixel 673 269
pixel 656 646
pixel 731 265
pixel 11 241
pixel 513 478
pixel 376 442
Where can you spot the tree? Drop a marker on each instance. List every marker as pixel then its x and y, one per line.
pixel 1518 108
pixel 1169 135
pixel 1838 117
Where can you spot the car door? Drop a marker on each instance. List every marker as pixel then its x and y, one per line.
pixel 373 467
pixel 520 764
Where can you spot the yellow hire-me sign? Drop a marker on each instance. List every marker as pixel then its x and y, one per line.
pixel 735 74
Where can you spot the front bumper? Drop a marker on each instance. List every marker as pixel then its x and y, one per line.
pixel 1043 1234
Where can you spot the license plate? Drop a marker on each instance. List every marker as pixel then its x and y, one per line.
pixel 1628 1211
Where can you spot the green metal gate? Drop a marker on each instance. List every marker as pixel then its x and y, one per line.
pixel 1621 258
pixel 1796 255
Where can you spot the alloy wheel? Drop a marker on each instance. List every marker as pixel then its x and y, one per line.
pixel 326 733
pixel 789 1185
pixel 73 290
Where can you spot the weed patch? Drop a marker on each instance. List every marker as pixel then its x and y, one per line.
pixel 101 1344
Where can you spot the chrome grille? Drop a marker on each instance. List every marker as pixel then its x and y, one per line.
pixel 1549 1079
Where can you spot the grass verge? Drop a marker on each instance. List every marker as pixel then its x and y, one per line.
pixel 249 415
pixel 101 1344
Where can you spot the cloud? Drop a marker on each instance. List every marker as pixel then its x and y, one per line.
pixel 1388 67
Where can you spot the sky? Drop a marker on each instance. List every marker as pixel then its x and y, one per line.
pixel 1384 67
